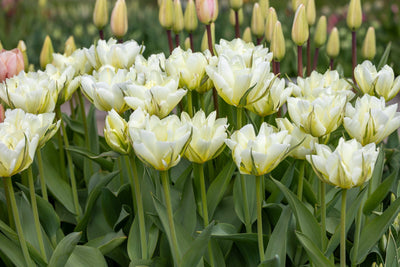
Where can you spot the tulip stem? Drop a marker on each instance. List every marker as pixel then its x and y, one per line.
pixel 343 230
pixel 245 204
pixel 9 208
pixel 259 39
pixel 260 198
pixel 203 107
pixel 331 66
pixel 85 127
pixel 70 165
pixel 36 212
pixel 191 41
pixel 323 213
pixel 61 150
pixel 237 28
pixel 239 116
pixel 17 221
pixel 175 248
pixel 358 229
pixel 101 34
pixel 278 68
pixel 189 103
pixel 210 47
pixel 316 54
pixel 139 203
pixel 354 51
pixel 71 108
pixel 41 174
pixel 301 180
pixel 171 46
pixel 300 61
pixel 308 57
pixel 177 42
pixel 273 66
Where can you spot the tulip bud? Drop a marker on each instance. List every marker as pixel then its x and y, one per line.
pixel 310 10
pixel 46 55
pixel 296 3
pixel 204 41
pixel 207 10
pixel 278 43
pixel 236 4
pixel 333 46
pixel 178 17
pixel 22 47
pixel 257 21
pixel 70 46
pixel 187 43
pixel 1 46
pixel 247 35
pixel 369 46
pixel 264 6
pixel 166 14
pixel 300 27
pixel 320 32
pixel 354 15
pixel 270 24
pixel 190 17
pixel 232 19
pixel 100 14
pixel 119 19
pixel 116 133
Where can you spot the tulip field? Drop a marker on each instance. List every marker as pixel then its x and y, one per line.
pixel 265 148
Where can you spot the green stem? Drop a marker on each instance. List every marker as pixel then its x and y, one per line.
pixel 259 189
pixel 239 117
pixel 9 208
pixel 71 107
pixel 61 149
pixel 36 212
pixel 139 203
pixel 343 230
pixel 189 103
pixel 203 107
pixel 17 221
pixel 121 174
pixel 301 180
pixel 41 175
pixel 70 167
pixel 85 126
pixel 245 204
pixel 323 213
pixel 175 248
pixel 357 230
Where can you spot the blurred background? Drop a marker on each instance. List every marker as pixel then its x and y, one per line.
pixel 32 20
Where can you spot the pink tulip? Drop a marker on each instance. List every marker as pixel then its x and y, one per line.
pixel 207 10
pixel 11 63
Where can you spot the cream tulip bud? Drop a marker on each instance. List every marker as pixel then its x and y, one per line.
pixel 166 14
pixel 264 6
pixel 310 11
pixel 46 55
pixel 320 32
pixel 22 47
pixel 116 133
pixel 272 18
pixel 236 4
pixel 178 17
pixel 204 41
pixel 190 17
pixel 207 10
pixel 300 30
pixel 69 46
pixel 187 43
pixel 365 75
pixel 296 3
pixel 257 21
pixel 333 45
pixel 278 43
pixel 100 14
pixel 119 19
pixel 232 19
pixel 247 35
pixel 369 45
pixel 386 85
pixel 354 15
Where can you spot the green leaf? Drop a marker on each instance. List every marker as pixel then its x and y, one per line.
pixel 378 170
pixel 277 242
pixel 379 194
pixel 307 222
pixel 104 163
pixel 48 219
pixel 374 229
pixel 385 56
pixel 12 251
pixel 274 262
pixel 64 250
pixel 217 188
pixel 84 256
pixel 186 210
pixel 392 256
pixel 313 251
pixel 276 195
pixel 225 231
pixel 197 248
pixel 107 242
pixel 250 185
pixel 75 125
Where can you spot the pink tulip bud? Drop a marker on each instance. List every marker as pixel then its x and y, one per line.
pixel 11 63
pixel 207 10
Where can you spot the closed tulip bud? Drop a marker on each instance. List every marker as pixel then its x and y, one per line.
pixel 333 45
pixel 1 46
pixel 236 4
pixel 119 19
pixel 264 6
pixel 207 10
pixel 22 47
pixel 310 10
pixel 116 133
pixel 270 24
pixel 46 55
pixel 296 3
pixel 278 43
pixel 232 20
pixel 166 14
pixel 300 31
pixel 190 17
pixel 247 35
pixel 320 32
pixel 178 17
pixel 100 14
pixel 204 41
pixel 369 46
pixel 257 21
pixel 354 15
pixel 70 46
pixel 11 63
pixel 187 43
pixel 385 84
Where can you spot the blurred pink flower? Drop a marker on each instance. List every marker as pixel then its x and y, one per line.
pixel 11 63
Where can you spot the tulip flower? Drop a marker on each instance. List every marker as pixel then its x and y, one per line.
pixel 116 133
pixel 22 47
pixel 310 12
pixel 264 5
pixel 278 48
pixel 119 19
pixel 190 17
pixel 349 165
pixel 320 32
pixel 369 45
pixel 247 35
pixel 208 136
pixel 257 22
pixel 258 154
pixel 370 121
pixel 207 10
pixel 333 46
pixel 300 31
pixel 46 55
pixel 11 63
pixel 232 19
pixel 100 14
pixel 272 18
pixel 155 63
pixel 69 46
pixel 166 14
pixel 236 4
pixel 178 17
pixel 160 143
pixel 354 15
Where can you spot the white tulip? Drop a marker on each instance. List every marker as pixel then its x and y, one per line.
pixel 116 133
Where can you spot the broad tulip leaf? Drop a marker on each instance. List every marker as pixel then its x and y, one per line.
pixel 48 219
pixel 12 251
pixel 75 125
pixel 385 56
pixel 64 250
pixel 186 210
pixel 104 163
pixel 250 186
pixel 392 256
pixel 378 170
pixel 84 256
pixel 313 251
pixel 374 229
pixel 107 242
pixel 272 262
pixel 276 195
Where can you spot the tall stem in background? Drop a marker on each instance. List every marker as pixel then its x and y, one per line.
pixel 260 197
pixel 237 28
pixel 41 175
pixel 300 61
pixel 354 51
pixel 170 45
pixel 343 230
pixel 316 58
pixel 308 57
pixel 191 41
pixel 210 47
